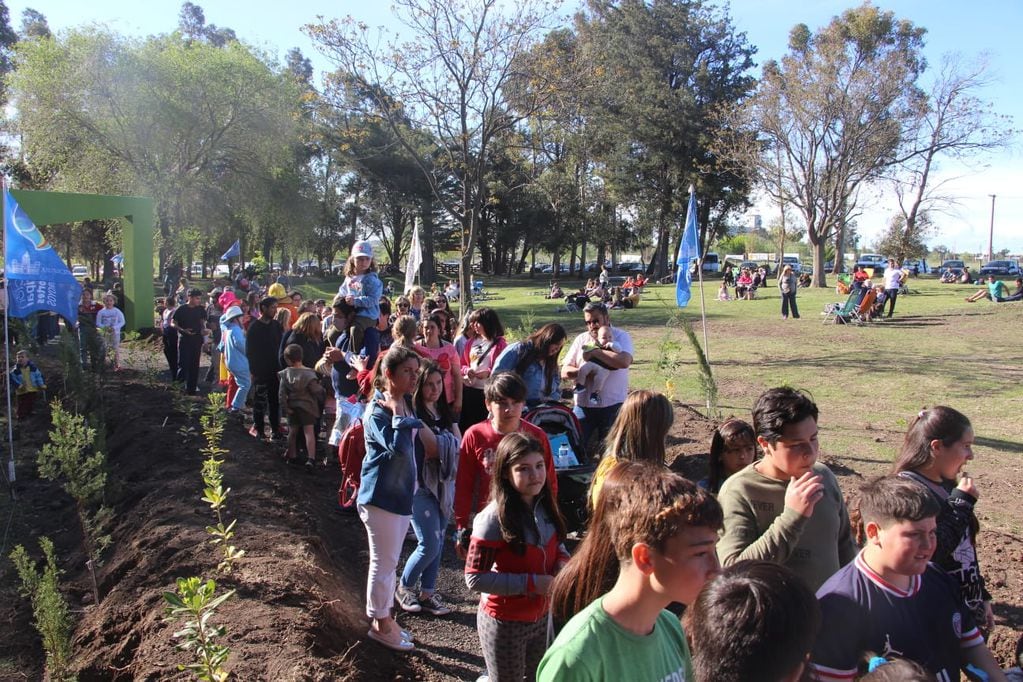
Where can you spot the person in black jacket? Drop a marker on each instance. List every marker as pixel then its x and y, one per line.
pixel 262 345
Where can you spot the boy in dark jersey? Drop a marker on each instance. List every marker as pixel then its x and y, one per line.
pixel 891 601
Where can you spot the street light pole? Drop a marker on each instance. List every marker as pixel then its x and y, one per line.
pixel 991 231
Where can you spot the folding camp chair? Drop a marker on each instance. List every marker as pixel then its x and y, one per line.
pixel 836 311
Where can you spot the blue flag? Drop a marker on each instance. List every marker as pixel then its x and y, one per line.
pixel 37 279
pixel 688 249
pixel 234 251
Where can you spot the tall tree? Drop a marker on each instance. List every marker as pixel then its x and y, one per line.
pixel 34 24
pixel 666 66
pixel 181 122
pixel 828 119
pixel 447 78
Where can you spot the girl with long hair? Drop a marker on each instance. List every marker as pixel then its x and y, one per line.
pixel 536 360
pixel 938 444
pixel 434 346
pixel 732 447
pixel 638 434
pixel 515 550
pixel 388 481
pixel 433 499
pixel 478 359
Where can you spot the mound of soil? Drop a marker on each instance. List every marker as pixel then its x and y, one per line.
pixel 298 610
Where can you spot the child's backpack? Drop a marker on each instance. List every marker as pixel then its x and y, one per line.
pixel 350 453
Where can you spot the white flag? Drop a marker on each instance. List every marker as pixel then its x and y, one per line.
pixel 415 259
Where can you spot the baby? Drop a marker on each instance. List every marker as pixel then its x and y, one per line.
pixel 593 374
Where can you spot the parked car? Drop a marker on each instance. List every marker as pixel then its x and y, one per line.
pixel 873 260
pixel 917 266
pixel 80 271
pixel 631 268
pixel 711 263
pixel 954 265
pixel 1000 268
pixel 797 267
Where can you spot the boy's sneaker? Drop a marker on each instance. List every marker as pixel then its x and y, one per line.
pixel 434 605
pixel 594 399
pixel 407 600
pixel 579 388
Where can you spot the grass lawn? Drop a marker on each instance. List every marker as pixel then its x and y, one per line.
pixel 868 381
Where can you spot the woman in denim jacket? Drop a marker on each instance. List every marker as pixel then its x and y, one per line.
pixel 387 486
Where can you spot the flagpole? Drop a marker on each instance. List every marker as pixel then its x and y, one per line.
pixel 11 474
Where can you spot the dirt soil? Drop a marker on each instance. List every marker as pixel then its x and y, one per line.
pixel 298 610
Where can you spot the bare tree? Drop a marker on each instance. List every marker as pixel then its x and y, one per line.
pixel 447 78
pixel 827 120
pixel 955 124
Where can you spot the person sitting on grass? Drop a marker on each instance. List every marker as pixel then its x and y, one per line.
pixel 996 291
pixel 786 507
pixel 891 600
pixel 1018 294
pixel 657 536
pixel 27 381
pixel 302 395
pixel 755 621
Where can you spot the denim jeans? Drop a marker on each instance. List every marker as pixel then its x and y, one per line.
pixel 424 563
pixel 789 301
pixel 598 420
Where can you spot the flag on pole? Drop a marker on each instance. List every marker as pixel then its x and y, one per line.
pixel 118 259
pixel 688 249
pixel 415 259
pixel 37 278
pixel 234 252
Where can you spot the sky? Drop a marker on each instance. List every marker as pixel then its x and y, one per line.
pixel 990 27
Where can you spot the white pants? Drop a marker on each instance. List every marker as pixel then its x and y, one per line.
pixel 386 533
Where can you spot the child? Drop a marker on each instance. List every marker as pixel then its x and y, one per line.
pixel 938 445
pixel 505 396
pixel 593 373
pixel 27 381
pixel 302 394
pixel 655 540
pixel 786 507
pixel 111 321
pixel 362 290
pixel 732 449
pixel 723 294
pixel 515 551
pixel 755 621
pixel 891 600
pixel 233 347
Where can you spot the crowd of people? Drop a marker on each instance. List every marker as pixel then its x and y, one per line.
pixel 758 571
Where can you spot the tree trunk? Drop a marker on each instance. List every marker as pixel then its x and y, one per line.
pixel 819 276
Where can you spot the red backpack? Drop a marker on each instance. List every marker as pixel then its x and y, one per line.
pixel 350 453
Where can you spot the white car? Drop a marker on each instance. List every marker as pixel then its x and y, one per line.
pixel 80 271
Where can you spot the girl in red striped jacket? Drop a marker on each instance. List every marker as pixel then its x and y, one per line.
pixel 517 547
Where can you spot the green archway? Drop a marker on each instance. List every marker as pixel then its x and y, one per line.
pixel 49 208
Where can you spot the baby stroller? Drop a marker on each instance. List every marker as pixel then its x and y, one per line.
pixel 562 426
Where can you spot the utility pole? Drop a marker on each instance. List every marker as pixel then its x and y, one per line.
pixel 991 231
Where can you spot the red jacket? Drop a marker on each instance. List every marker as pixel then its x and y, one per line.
pixel 475 458
pixel 507 579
